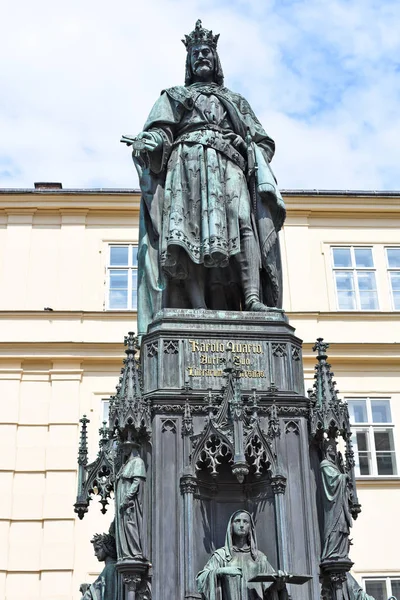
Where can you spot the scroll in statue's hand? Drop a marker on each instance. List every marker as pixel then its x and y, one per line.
pixel 146 141
pixel 231 571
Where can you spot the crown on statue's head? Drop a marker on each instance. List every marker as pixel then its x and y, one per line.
pixel 200 35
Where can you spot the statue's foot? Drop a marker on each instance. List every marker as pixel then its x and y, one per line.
pixel 257 306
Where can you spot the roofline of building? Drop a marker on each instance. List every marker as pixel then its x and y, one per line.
pixel 129 191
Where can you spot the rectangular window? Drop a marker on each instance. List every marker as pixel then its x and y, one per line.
pixel 381 588
pixel 372 426
pixel 354 273
pixel 393 265
pixel 105 405
pixel 122 277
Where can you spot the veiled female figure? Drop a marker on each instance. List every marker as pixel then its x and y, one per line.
pixel 129 504
pixel 227 573
pixel 337 516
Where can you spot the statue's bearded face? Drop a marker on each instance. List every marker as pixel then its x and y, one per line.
pixel 241 525
pixel 202 61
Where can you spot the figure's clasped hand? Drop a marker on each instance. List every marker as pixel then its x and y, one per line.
pixel 231 571
pixel 125 505
pixel 281 579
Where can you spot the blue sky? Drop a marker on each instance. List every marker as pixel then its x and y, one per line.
pixel 322 76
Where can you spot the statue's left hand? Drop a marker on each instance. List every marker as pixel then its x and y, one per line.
pixel 150 140
pixel 125 505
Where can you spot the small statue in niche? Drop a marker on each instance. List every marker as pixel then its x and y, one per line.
pixel 129 490
pixel 336 502
pixel 105 586
pixel 227 573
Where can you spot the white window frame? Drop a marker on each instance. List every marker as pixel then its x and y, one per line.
pixel 391 270
pixel 370 426
pixel 104 408
pixel 387 579
pixel 130 268
pixel 354 269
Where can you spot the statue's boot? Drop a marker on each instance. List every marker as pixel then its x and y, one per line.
pixel 249 260
pixel 194 285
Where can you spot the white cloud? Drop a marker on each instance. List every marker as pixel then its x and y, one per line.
pixel 323 77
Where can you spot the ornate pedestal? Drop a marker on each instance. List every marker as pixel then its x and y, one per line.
pixel 188 348
pixel 229 431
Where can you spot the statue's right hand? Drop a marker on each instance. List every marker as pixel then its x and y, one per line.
pixel 231 571
pixel 150 140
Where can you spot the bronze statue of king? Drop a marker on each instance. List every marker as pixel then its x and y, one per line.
pixel 210 208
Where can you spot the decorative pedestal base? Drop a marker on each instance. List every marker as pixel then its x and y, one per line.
pixel 189 348
pixel 135 579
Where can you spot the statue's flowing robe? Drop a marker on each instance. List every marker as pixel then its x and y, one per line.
pixel 129 526
pixel 337 516
pixel 353 590
pixel 227 587
pixel 195 192
pixel 106 585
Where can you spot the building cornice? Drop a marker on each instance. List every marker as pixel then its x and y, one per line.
pixel 305 203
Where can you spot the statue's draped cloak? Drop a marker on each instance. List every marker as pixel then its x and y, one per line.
pixel 194 192
pixel 106 585
pixel 129 522
pixel 353 590
pixel 337 516
pixel 251 561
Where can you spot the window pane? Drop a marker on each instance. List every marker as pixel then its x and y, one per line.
pixel 341 257
pixel 367 288
pixel 364 460
pixel 366 280
pixel 134 288
pixel 134 256
pixel 118 299
pixel 381 411
pixel 383 439
pixel 377 589
pixel 396 300
pixel 344 281
pixel 385 462
pixel 346 301
pixel 119 279
pixel 345 290
pixel 393 255
pixel 119 256
pixel 362 454
pixel 395 282
pixel 105 407
pixel 363 257
pixel 362 440
pixel 396 588
pixel 368 301
pixel 358 411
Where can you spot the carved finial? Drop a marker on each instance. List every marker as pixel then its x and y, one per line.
pixel 104 434
pixel 83 449
pixel 200 36
pixel 321 347
pixel 131 342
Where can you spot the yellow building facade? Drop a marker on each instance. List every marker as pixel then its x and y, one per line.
pixel 68 281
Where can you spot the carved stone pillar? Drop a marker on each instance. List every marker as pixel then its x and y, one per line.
pixel 188 484
pixel 134 576
pixel 278 483
pixel 338 580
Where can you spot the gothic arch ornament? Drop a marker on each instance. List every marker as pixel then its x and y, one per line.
pixel 232 433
